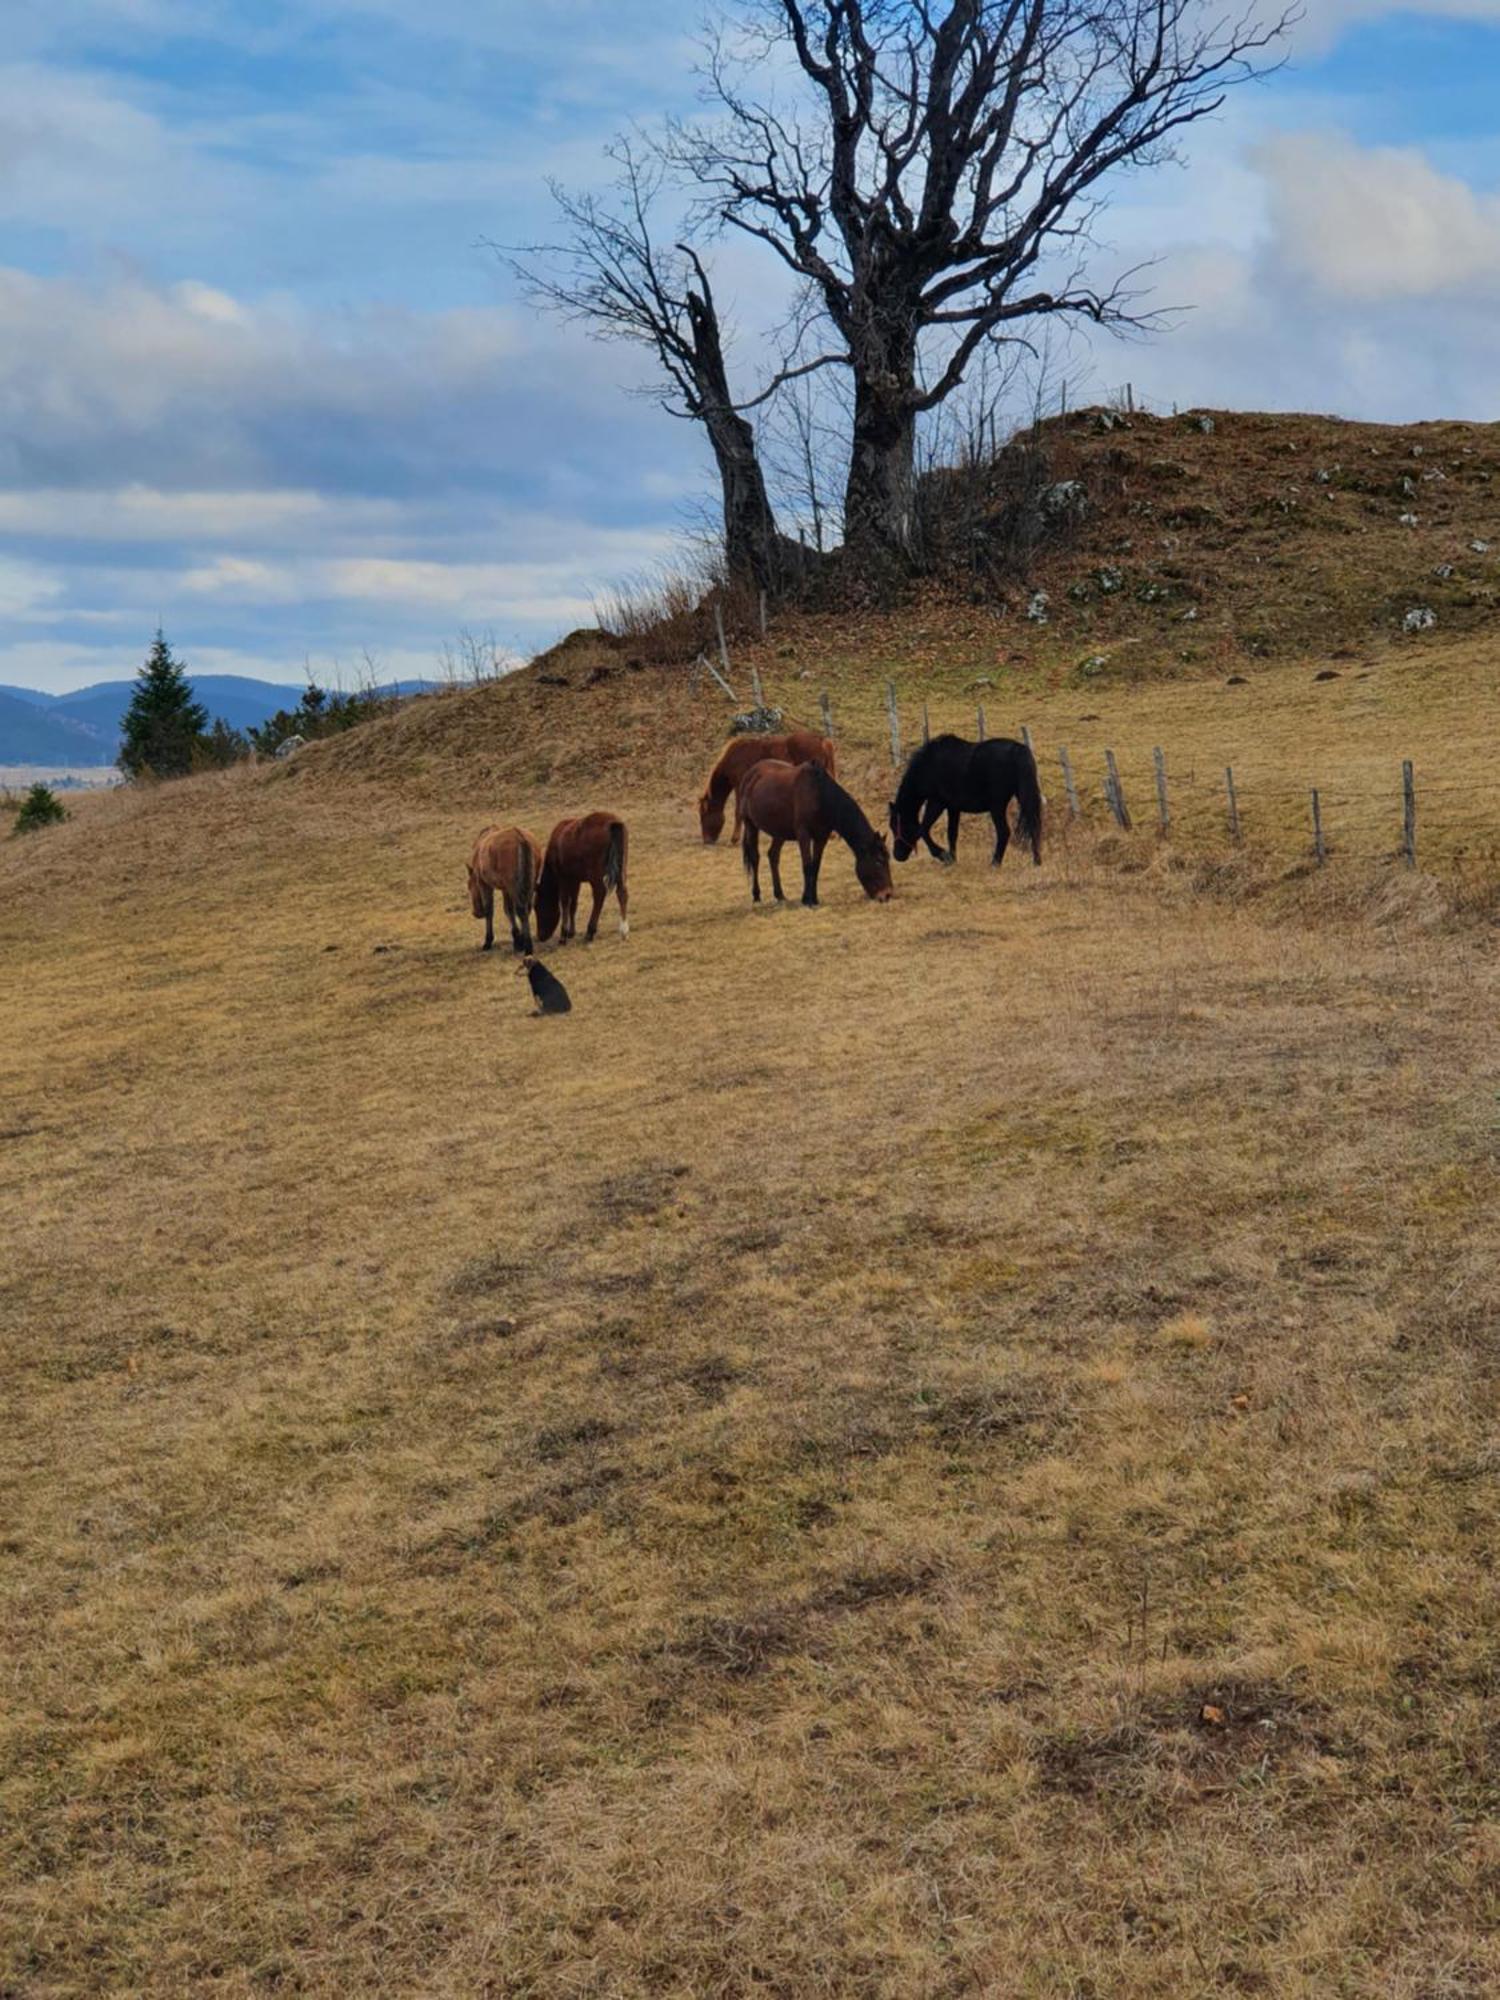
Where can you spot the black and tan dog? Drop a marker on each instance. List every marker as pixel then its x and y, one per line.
pixel 550 993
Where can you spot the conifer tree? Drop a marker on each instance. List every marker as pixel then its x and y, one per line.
pixel 164 723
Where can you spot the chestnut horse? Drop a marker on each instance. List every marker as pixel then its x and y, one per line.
pixel 592 850
pixel 508 859
pixel 801 802
pixel 800 746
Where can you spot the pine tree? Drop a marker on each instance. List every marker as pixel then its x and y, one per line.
pixel 221 747
pixel 40 807
pixel 163 723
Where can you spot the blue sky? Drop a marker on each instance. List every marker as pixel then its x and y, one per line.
pixel 261 380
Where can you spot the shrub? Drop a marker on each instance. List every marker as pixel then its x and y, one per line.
pixel 222 746
pixel 319 713
pixel 40 807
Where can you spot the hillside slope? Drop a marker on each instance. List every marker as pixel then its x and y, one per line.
pixel 1271 535
pixel 924 1451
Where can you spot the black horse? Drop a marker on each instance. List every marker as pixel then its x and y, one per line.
pixel 953 776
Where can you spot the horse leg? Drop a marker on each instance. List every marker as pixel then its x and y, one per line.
pixel 569 895
pixel 776 847
pixel 622 897
pixel 953 819
pixel 1002 836
pixel 750 848
pixel 596 890
pixel 812 861
pixel 489 921
pixel 926 824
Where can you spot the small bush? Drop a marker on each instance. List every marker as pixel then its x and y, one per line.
pixel 319 713
pixel 40 807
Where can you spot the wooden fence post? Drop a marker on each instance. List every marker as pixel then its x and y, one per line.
pixel 1026 739
pixel 1067 770
pixel 1317 819
pixel 895 718
pixel 1116 791
pixel 1234 805
pixel 1409 813
pixel 1163 817
pixel 979 717
pixel 764 621
pixel 758 690
pixel 926 726
pixel 705 661
pixel 827 707
pixel 719 628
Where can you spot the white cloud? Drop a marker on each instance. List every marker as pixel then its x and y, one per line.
pixel 1324 21
pixel 1365 224
pixel 138 513
pixel 26 588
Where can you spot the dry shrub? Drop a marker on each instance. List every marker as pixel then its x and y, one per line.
pixel 666 616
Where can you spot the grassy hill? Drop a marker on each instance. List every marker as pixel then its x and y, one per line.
pixel 926 1450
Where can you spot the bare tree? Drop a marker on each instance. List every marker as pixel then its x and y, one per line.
pixel 939 193
pixel 615 277
pixel 805 440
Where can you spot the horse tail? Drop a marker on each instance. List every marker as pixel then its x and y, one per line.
pixel 1029 803
pixel 614 856
pixel 548 900
pixel 524 888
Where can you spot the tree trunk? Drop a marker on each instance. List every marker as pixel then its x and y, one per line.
pixel 752 543
pixel 880 524
pixel 751 540
pixel 880 496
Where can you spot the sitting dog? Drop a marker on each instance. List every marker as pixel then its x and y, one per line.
pixel 550 993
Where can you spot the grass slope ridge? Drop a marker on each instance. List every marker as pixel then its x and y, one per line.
pixel 1270 535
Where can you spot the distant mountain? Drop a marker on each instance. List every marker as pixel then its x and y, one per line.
pixel 30 734
pixel 83 727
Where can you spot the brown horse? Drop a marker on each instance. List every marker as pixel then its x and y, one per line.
pixel 592 850
pixel 507 859
pixel 801 802
pixel 800 746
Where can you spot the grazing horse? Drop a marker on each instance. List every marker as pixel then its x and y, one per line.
pixel 801 802
pixel 800 746
pixel 953 776
pixel 592 850
pixel 507 859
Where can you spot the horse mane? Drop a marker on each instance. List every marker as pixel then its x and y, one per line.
pixel 844 812
pixel 719 786
pixel 912 789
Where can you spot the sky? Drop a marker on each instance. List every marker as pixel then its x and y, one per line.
pixel 265 382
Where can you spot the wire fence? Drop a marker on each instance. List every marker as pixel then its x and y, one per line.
pixel 1389 811
pixel 1433 819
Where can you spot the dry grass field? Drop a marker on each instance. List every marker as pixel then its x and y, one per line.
pixel 912 1451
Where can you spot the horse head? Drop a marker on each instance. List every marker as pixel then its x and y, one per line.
pixel 872 864
pixel 906 835
pixel 710 818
